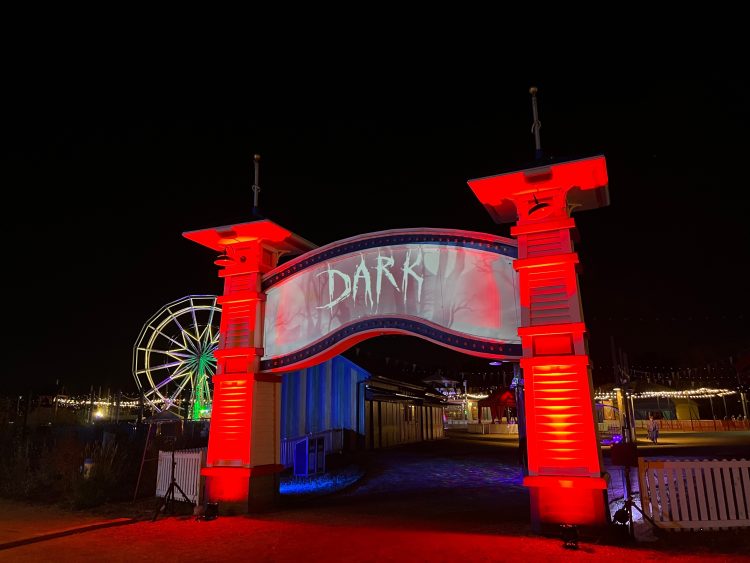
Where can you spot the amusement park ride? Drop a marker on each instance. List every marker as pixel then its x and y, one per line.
pixel 173 357
pixel 260 335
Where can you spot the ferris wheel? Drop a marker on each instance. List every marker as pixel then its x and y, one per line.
pixel 173 357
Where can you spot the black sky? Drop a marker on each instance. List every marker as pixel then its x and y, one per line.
pixel 99 184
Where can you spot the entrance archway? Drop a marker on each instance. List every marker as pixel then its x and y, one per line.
pixel 455 288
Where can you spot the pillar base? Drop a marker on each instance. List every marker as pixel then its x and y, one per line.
pixel 556 500
pixel 264 492
pixel 240 490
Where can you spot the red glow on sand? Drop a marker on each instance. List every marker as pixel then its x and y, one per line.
pixel 227 484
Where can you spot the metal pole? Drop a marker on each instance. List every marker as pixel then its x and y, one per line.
pixel 143 459
pixel 466 403
pixel 628 501
pixel 521 415
pixel 537 124
pixel 630 413
pixel 91 404
pixel 711 401
pixel 623 407
pixel 256 185
pixel 26 415
pixel 615 371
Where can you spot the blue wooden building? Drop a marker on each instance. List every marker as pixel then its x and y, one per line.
pixel 343 403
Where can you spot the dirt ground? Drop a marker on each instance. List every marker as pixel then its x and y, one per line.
pixel 453 500
pixel 20 520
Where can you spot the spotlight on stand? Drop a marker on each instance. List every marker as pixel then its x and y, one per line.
pixel 211 512
pixel 621 517
pixel 537 205
pixel 496 363
pixel 569 534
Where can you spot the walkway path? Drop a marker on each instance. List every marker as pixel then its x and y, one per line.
pixel 22 523
pixel 453 500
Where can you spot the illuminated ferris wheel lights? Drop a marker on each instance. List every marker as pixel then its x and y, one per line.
pixel 174 355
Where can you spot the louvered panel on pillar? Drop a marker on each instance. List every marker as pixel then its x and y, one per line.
pixel 546 243
pixel 237 316
pixel 549 301
pixel 562 438
pixel 239 324
pixel 239 283
pixel 230 422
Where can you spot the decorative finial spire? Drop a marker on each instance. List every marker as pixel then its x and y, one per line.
pixel 537 124
pixel 256 186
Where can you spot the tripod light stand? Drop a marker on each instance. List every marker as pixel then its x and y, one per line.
pixel 167 501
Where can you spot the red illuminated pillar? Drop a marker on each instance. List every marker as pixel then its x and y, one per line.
pixel 242 462
pixel 564 457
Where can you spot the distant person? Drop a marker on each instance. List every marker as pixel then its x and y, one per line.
pixel 652 427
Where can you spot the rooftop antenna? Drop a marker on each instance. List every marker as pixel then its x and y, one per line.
pixel 256 187
pixel 538 153
pixel 537 124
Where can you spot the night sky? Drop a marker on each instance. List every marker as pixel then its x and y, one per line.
pixel 100 184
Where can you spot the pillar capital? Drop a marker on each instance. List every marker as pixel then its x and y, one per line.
pixel 563 186
pixel 251 247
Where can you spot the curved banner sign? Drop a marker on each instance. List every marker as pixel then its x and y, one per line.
pixel 455 288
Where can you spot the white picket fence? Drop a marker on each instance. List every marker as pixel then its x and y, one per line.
pixel 187 473
pixel 695 494
pixel 492 428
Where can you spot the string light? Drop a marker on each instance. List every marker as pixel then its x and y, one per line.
pixel 702 393
pixel 85 402
pixel 668 318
